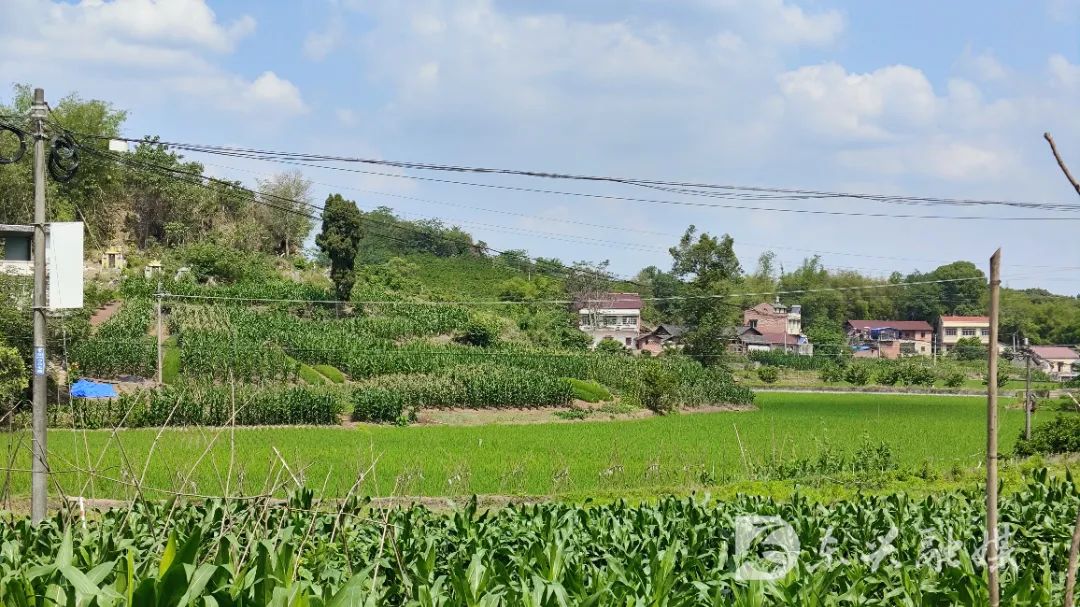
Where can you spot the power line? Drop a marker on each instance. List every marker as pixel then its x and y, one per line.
pixel 689 187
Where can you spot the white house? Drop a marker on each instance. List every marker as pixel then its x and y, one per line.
pixel 1055 361
pixel 615 315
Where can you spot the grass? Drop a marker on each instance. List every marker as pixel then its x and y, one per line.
pixel 310 376
pixel 793 378
pixel 331 373
pixel 170 361
pixel 672 453
pixel 589 391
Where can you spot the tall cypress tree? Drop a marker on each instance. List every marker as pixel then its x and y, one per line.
pixel 340 239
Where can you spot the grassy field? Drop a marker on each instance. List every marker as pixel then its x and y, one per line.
pixel 793 378
pixel 676 453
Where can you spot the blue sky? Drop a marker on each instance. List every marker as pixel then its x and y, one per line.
pixel 924 98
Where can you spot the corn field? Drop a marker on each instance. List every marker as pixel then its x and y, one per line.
pixel 206 404
pixel 122 345
pixel 870 550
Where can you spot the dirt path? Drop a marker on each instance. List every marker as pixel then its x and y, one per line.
pixel 104 313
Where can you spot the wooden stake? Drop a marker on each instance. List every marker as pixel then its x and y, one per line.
pixel 991 434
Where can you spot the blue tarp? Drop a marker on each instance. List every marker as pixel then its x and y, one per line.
pixel 84 388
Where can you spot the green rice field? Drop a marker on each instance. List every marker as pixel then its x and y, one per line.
pixel 673 453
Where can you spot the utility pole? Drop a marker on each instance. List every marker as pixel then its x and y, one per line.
pixel 1028 402
pixel 160 356
pixel 39 487
pixel 991 435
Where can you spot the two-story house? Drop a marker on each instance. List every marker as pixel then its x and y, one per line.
pixel 613 315
pixel 890 338
pixel 952 329
pixel 772 326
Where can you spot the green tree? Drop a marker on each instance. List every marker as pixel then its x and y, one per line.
pixel 286 210
pixel 610 346
pixel 340 241
pixel 710 268
pixel 14 376
pixel 969 348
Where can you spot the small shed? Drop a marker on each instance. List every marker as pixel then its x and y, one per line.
pixel 152 268
pixel 113 259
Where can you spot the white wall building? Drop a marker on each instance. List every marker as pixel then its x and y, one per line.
pixel 616 316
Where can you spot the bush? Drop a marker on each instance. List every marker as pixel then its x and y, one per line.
pixel 610 346
pixel 832 374
pixel 954 379
pixel 917 374
pixel 1062 435
pixel 657 388
pixel 480 331
pixel 1002 377
pixel 14 378
pixel 857 374
pixel 889 374
pixel 769 375
pixel 969 348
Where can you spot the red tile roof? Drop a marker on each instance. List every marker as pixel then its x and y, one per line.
pixel 900 325
pixel 618 301
pixel 1055 352
pixel 780 338
pixel 981 319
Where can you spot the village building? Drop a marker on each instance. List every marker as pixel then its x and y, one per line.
pixel 1059 362
pixel 661 338
pixel 890 338
pixel 951 329
pixel 771 327
pixel 615 315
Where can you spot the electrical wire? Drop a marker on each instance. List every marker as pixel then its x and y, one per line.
pixel 688 187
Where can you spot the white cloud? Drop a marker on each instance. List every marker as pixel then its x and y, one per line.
pixel 1064 73
pixel 148 47
pixel 319 44
pixel 828 99
pixel 793 25
pixel 346 117
pixel 983 66
pixel 940 158
pixel 154 21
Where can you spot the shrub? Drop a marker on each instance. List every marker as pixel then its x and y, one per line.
pixel 954 379
pixel 657 388
pixel 610 346
pixel 14 378
pixel 1061 435
pixel 1002 377
pixel 889 374
pixel 831 374
pixel 768 374
pixel 857 374
pixel 916 374
pixel 480 331
pixel 969 348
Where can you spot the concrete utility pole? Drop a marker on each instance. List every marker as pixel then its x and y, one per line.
pixel 991 435
pixel 1029 404
pixel 39 492
pixel 160 355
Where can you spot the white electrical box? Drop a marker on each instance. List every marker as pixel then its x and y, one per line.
pixel 64 265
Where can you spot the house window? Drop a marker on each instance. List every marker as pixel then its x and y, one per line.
pixel 610 320
pixel 969 332
pixel 112 260
pixel 951 332
pixel 628 341
pixel 629 320
pixel 753 323
pixel 986 332
pixel 584 320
